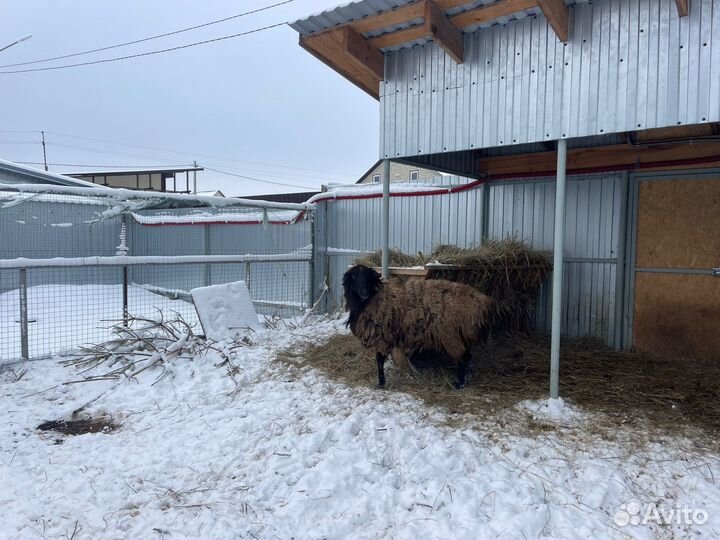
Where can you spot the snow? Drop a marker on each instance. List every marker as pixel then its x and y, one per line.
pixel 61 224
pixel 144 198
pixel 74 315
pixel 226 310
pixel 199 216
pixel 288 453
pixel 124 260
pixel 360 190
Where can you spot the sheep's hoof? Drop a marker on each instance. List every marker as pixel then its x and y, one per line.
pixel 458 385
pixel 380 386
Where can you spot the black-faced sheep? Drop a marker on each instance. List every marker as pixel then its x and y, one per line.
pixel 398 319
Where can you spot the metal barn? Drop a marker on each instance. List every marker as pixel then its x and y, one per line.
pixel 607 111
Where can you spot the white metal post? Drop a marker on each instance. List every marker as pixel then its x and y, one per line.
pixel 24 332
pixel 386 219
pixel 558 246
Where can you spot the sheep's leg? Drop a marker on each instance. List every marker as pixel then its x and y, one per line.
pixel 462 369
pixel 380 359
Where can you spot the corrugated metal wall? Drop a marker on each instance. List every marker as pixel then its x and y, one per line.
pixel 61 226
pixel 524 208
pixel 629 64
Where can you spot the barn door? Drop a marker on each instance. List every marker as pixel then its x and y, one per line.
pixel 677 247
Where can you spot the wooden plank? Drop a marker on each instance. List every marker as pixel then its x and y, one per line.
pixel 683 7
pixel 443 32
pixel 402 271
pixel 675 132
pixel 398 38
pixel 676 314
pixel 678 224
pixel 404 14
pixel 357 47
pixel 389 18
pixel 491 12
pixel 328 47
pixel 556 12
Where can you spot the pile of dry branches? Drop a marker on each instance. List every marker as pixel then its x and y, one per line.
pixel 145 345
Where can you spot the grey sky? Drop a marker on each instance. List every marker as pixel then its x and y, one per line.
pixel 258 98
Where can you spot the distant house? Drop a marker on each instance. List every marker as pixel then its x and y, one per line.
pixel 215 193
pixel 165 179
pixel 399 172
pixel 284 197
pixel 14 173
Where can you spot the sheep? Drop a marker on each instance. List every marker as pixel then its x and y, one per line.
pixel 398 319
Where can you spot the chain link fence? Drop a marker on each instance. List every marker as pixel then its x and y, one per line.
pixel 72 264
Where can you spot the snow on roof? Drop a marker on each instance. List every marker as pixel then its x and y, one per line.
pixel 149 199
pixel 46 176
pixel 192 216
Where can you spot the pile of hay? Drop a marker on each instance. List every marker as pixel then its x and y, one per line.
pixel 508 271
pixel 657 396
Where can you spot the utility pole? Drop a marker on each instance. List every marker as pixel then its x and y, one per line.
pixel 195 178
pixel 44 154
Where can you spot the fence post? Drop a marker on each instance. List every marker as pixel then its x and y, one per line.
pixel 121 251
pixel 311 270
pixel 247 275
pixel 25 350
pixel 126 310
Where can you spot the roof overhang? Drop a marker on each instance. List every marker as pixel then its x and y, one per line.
pixel 353 39
pixel 355 46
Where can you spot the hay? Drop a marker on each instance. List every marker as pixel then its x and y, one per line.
pixel 654 395
pixel 507 270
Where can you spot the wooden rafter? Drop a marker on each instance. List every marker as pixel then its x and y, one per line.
pixel 683 7
pixel 443 32
pixel 360 59
pixel 358 48
pixel 556 12
pixel 491 12
pixel 329 47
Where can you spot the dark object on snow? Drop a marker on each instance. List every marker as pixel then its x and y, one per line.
pixel 79 427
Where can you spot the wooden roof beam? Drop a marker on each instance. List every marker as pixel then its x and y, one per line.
pixel 356 46
pixel 443 32
pixel 470 17
pixel 556 12
pixel 491 12
pixel 683 7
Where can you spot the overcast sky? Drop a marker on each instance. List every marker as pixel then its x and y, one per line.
pixel 259 105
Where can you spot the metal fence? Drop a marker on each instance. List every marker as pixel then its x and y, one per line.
pixel 42 313
pixel 62 285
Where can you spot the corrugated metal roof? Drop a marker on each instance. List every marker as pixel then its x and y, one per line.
pixel 17 173
pixel 366 8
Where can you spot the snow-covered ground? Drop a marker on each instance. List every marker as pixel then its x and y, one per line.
pixel 286 453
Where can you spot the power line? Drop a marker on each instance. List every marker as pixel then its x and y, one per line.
pixel 166 34
pixel 195 154
pixel 88 166
pixel 149 53
pixel 255 179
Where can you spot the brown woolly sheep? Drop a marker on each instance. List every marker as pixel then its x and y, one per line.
pixel 397 319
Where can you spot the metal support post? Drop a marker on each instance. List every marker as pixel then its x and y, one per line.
pixel 385 238
pixel 558 246
pixel 126 309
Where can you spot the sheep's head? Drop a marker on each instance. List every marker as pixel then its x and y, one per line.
pixel 360 284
